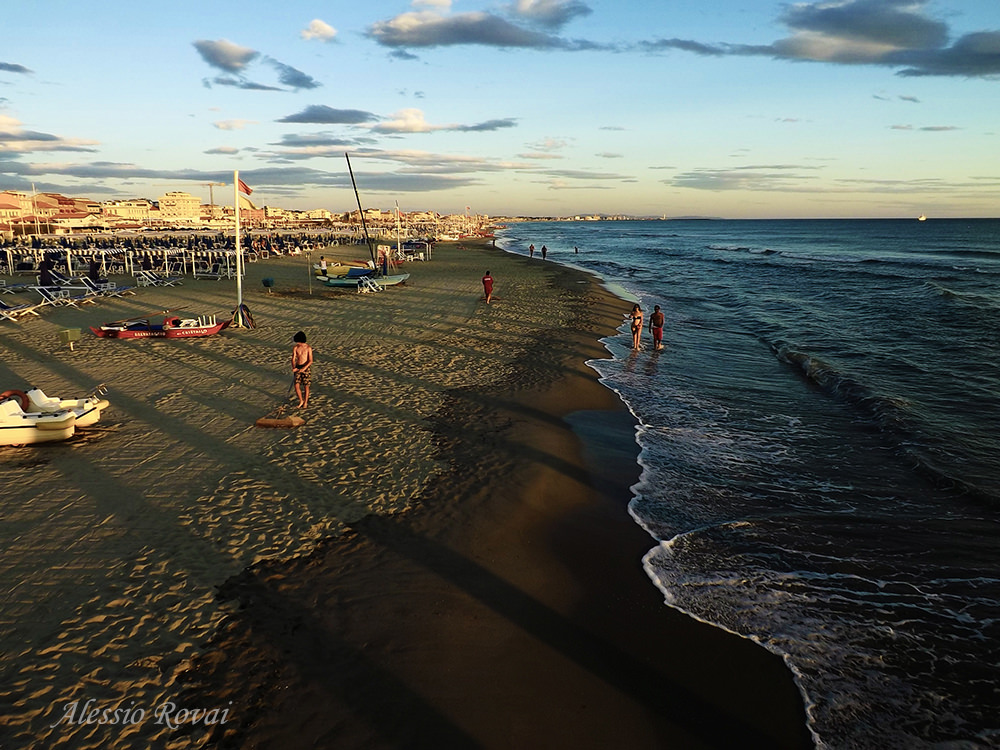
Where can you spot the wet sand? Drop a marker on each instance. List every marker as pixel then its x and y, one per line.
pixel 441 555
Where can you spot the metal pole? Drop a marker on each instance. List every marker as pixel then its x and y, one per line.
pixel 364 225
pixel 239 275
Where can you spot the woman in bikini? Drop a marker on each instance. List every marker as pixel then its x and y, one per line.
pixel 636 317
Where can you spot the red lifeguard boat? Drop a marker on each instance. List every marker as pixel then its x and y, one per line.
pixel 172 327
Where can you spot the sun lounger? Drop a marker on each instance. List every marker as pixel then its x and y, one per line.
pixel 13 312
pixel 57 296
pixel 152 278
pixel 66 281
pixel 215 273
pixel 106 288
pixel 6 288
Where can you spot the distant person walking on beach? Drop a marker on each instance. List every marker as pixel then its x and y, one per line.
pixel 302 359
pixel 531 251
pixel 488 287
pixel 656 327
pixel 636 316
pixel 322 265
pixel 545 251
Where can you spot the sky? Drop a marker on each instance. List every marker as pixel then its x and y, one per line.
pixel 727 108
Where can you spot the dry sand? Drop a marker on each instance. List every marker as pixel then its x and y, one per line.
pixel 435 558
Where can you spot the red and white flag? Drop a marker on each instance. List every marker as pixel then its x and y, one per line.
pixel 244 188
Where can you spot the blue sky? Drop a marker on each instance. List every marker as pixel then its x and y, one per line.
pixel 734 108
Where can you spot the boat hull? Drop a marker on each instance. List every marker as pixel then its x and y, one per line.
pixel 344 282
pixel 18 427
pixel 344 270
pixel 31 434
pixel 158 332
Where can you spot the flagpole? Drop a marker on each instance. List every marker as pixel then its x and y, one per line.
pixel 239 255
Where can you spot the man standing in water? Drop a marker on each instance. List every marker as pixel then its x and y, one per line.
pixel 302 359
pixel 656 327
pixel 488 287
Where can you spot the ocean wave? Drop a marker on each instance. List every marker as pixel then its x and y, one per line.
pixel 970 299
pixel 887 410
pixel 895 417
pixel 729 248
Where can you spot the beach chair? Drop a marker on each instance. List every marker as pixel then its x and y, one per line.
pixel 66 281
pixel 13 312
pixel 106 288
pixel 152 278
pixel 66 284
pixel 6 288
pixel 214 273
pixel 56 296
pixel 145 278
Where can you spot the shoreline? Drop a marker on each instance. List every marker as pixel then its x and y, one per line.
pixel 474 580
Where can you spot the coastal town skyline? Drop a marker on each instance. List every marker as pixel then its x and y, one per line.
pixel 849 108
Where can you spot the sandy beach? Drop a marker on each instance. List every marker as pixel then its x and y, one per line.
pixel 441 556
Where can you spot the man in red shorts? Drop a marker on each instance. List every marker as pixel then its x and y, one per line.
pixel 656 327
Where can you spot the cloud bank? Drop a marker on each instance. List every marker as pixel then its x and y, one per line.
pixel 893 33
pixel 438 28
pixel 16 140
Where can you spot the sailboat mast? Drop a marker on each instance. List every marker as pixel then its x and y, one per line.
pixel 364 226
pixel 399 251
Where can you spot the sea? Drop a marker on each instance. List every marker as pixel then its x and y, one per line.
pixel 820 451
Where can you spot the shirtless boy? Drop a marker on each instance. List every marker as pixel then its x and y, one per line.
pixel 302 359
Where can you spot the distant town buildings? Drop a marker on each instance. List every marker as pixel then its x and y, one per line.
pixel 180 207
pixel 52 213
pixel 23 213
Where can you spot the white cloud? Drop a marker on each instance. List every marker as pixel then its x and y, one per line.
pixel 406 121
pixel 318 29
